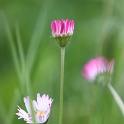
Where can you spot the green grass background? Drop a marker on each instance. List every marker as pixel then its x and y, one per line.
pixel 29 54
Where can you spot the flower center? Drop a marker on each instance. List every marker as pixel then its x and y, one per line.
pixel 40 113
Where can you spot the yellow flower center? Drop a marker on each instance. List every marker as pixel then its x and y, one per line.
pixel 40 113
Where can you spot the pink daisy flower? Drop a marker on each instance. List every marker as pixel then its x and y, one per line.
pixel 96 67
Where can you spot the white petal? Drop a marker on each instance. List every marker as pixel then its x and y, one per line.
pixel 27 104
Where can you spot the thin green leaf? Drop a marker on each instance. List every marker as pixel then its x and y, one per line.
pixel 13 106
pixel 25 72
pixel 36 37
pixel 12 45
pixel 21 54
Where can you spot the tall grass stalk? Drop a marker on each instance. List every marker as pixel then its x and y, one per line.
pixel 22 74
pixel 13 105
pixel 13 48
pixel 25 71
pixel 36 36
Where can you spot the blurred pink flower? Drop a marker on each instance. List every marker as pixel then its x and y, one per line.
pixel 97 66
pixel 62 31
pixel 41 108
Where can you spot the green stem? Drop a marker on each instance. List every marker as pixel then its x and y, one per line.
pixel 116 97
pixel 61 84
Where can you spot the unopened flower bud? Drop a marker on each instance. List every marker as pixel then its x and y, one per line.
pixel 62 31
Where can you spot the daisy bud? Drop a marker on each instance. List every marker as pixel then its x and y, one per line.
pixel 62 31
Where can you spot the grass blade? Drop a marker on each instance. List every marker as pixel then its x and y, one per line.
pixel 36 37
pixel 13 106
pixel 12 45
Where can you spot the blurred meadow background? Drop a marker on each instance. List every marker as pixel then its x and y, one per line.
pixel 28 55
